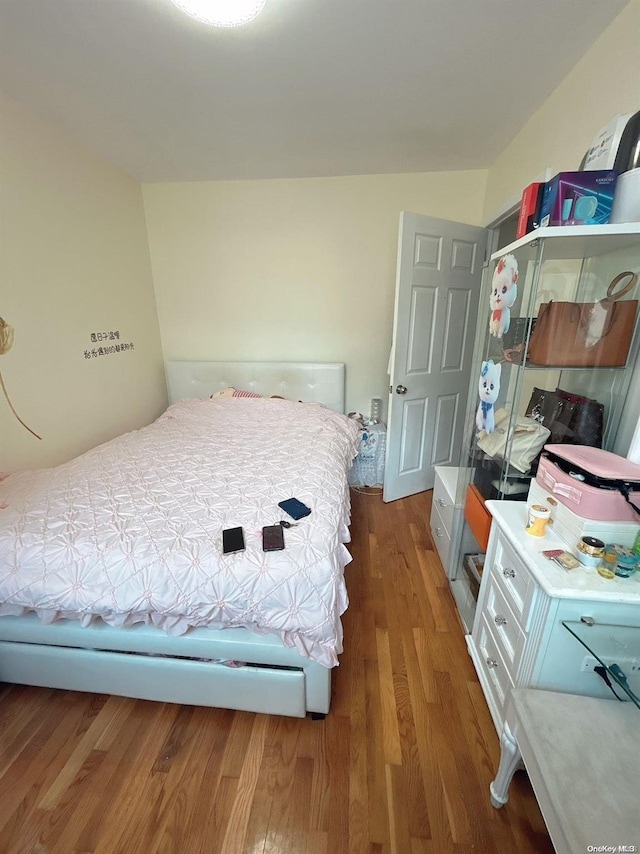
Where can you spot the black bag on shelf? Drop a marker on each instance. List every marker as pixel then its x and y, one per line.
pixel 572 418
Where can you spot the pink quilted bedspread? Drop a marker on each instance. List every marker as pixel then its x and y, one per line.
pixel 131 530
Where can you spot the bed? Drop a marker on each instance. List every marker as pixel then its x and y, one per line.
pixel 112 577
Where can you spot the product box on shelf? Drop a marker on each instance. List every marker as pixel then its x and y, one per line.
pixel 578 198
pixel 529 208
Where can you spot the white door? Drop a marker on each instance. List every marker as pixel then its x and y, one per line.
pixel 437 291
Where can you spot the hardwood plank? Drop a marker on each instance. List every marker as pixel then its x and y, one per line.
pixel 124 809
pixel 97 783
pixel 396 799
pixel 390 735
pixel 376 780
pixel 111 717
pixel 401 764
pixel 43 756
pixel 297 832
pixel 358 768
pixel 239 818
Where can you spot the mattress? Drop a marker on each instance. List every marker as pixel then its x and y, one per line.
pixel 131 531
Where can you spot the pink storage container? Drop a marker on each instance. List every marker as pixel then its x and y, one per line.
pixel 590 502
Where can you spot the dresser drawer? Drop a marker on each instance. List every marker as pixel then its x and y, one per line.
pixel 444 503
pixel 504 626
pixel 514 579
pixel 441 536
pixel 495 672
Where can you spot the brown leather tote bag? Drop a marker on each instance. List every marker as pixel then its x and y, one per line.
pixel 589 335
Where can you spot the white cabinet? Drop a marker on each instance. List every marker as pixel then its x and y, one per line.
pixel 518 638
pixel 450 538
pixel 442 511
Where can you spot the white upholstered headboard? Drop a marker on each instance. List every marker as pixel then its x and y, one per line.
pixel 319 382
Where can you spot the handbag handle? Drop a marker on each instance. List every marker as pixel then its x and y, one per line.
pixel 612 294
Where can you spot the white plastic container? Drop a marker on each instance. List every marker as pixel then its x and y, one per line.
pixel 571 528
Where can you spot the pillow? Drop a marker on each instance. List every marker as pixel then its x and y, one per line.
pixel 237 393
pixel 234 392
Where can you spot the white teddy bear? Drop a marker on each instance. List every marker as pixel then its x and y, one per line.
pixel 489 389
pixel 503 295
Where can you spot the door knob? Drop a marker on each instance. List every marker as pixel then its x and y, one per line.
pixel 400 389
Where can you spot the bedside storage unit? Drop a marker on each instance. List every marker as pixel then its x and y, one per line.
pixel 518 639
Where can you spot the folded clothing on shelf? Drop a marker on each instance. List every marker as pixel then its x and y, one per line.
pixel 519 443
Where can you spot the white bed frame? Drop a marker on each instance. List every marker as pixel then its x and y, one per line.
pixel 145 662
pixel 322 383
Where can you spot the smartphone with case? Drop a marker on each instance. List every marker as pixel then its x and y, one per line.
pixel 272 538
pixel 294 508
pixel 232 540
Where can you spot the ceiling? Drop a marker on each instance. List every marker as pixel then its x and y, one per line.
pixel 310 88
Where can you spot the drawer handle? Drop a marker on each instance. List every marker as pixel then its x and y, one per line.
pixel 509 573
pixel 491 662
pixel 500 621
pixel 442 502
pixel 437 532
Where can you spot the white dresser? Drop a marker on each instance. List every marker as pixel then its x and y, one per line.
pixel 518 638
pixel 453 539
pixel 442 511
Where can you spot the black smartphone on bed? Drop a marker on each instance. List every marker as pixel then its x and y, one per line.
pixel 294 508
pixel 272 538
pixel 232 540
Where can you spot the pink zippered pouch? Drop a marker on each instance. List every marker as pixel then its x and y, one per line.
pixel 601 463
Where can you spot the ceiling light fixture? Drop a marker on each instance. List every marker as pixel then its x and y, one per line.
pixel 222 13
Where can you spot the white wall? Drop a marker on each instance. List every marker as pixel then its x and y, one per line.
pixel 604 83
pixel 300 270
pixel 73 261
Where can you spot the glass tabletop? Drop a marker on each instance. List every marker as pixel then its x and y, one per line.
pixel 617 648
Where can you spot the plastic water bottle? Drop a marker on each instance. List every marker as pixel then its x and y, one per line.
pixel 376 410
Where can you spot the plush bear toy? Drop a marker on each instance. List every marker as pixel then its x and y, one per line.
pixel 503 294
pixel 489 388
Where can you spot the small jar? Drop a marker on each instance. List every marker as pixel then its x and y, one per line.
pixel 590 551
pixel 608 563
pixel 619 560
pixel 537 520
pixel 626 563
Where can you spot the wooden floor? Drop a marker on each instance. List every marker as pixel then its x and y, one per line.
pixel 401 764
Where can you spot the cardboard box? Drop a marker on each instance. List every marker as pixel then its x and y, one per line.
pixel 578 198
pixel 530 208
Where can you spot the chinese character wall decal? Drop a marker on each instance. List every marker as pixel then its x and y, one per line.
pixel 6 342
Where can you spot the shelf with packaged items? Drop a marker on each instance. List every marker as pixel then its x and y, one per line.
pixel 578 241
